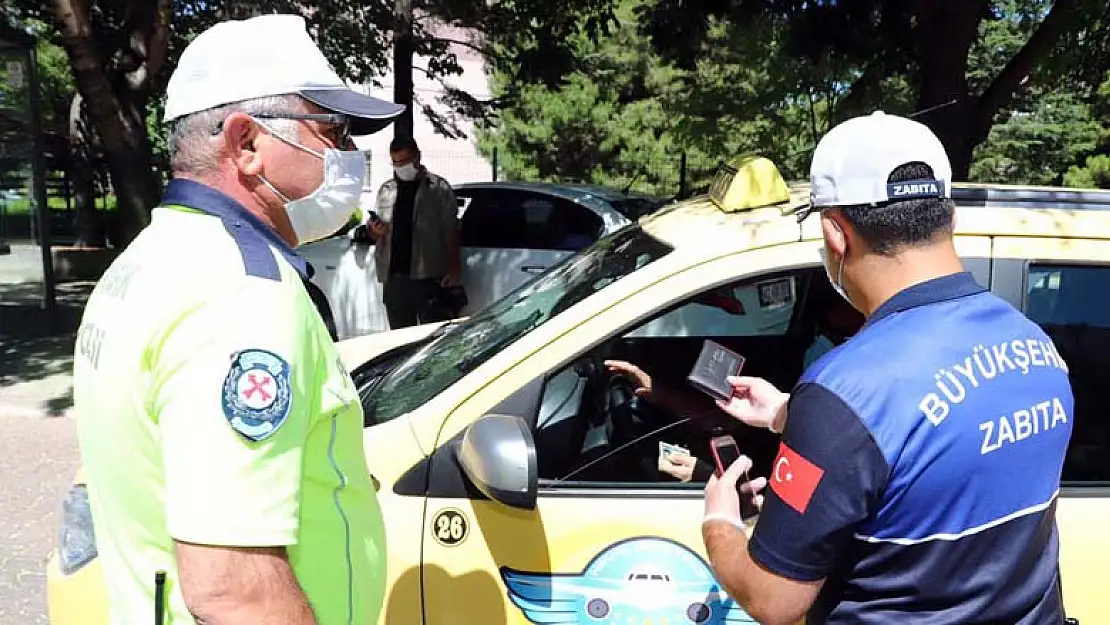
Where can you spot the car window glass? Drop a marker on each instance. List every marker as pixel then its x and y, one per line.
pixel 592 429
pixel 489 221
pixel 1072 304
pixel 762 308
pixel 514 219
pixel 460 347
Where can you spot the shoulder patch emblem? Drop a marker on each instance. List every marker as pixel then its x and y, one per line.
pixel 256 394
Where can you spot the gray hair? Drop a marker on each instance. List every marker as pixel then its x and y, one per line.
pixel 195 150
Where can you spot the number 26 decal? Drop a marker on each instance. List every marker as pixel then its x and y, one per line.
pixel 449 527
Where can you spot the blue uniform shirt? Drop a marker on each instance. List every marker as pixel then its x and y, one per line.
pixel 920 465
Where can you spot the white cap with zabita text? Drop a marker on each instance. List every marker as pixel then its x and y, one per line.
pixel 268 55
pixel 853 161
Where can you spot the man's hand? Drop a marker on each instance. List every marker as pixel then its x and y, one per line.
pixel 637 375
pixel 450 280
pixel 678 466
pixel 756 402
pixel 377 228
pixel 722 500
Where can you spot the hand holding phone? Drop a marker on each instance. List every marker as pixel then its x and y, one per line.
pixel 725 452
pixel 377 226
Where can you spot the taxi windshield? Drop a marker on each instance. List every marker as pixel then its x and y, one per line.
pixel 461 347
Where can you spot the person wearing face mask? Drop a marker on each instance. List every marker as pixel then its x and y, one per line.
pixel 418 254
pixel 837 323
pixel 220 434
pixel 893 498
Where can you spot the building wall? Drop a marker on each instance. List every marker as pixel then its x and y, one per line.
pixel 457 160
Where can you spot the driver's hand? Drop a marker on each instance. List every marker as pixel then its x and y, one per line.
pixel 637 375
pixel 678 466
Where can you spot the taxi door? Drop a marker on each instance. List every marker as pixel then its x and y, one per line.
pixel 1064 285
pixel 588 552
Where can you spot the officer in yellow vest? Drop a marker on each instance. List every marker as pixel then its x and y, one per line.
pixel 220 433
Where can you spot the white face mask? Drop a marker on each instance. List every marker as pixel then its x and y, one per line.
pixel 407 171
pixel 838 283
pixel 324 211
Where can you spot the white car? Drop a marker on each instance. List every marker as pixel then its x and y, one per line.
pixel 511 232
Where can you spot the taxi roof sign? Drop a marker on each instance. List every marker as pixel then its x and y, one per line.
pixel 746 183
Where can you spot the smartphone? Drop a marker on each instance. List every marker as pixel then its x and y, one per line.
pixel 725 452
pixel 712 369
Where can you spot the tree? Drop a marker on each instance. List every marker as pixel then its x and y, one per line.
pixel 1093 169
pixel 624 115
pixel 115 87
pixel 121 54
pixel 928 43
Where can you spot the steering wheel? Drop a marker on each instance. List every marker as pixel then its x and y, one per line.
pixel 617 393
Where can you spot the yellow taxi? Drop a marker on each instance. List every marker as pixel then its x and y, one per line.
pixel 519 478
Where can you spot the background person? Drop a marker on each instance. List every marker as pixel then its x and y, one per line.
pixel 418 252
pixel 893 497
pixel 220 434
pixel 837 322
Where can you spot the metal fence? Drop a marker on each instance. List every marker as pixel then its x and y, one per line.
pixel 666 178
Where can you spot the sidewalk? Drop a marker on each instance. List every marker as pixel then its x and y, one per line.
pixel 36 359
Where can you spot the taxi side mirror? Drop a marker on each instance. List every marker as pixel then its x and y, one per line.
pixel 498 455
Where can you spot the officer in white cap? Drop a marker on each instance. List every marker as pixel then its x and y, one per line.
pixel 893 496
pixel 220 434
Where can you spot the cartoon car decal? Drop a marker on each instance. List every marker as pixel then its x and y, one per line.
pixel 637 581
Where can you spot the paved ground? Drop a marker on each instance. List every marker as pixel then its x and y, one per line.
pixel 38 454
pixel 38 457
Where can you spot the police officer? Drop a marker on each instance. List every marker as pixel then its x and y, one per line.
pixel 917 477
pixel 220 435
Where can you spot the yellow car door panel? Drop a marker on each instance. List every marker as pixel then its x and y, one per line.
pixel 1064 285
pixel 576 523
pixel 577 549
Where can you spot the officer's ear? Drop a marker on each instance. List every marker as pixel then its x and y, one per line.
pixel 240 134
pixel 835 231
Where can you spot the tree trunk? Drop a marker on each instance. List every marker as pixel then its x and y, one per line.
pixel 87 225
pixel 402 66
pixel 962 120
pixel 119 122
pixel 946 31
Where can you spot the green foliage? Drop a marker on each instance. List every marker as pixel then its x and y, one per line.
pixel 55 80
pixel 605 123
pixel 1095 173
pixel 1036 146
pixel 625 114
pixel 22 205
pixel 715 80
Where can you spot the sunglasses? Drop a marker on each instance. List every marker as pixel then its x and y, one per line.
pixel 339 132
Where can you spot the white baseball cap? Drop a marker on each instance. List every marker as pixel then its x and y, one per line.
pixel 853 161
pixel 265 56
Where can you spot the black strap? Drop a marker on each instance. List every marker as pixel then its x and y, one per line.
pixel 159 598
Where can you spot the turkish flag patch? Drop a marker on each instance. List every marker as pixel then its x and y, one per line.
pixel 794 479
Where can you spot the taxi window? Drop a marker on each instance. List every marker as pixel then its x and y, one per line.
pixel 760 309
pixel 593 430
pixel 1072 304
